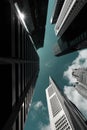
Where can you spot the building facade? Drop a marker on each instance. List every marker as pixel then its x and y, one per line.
pixel 69 11
pixel 35 12
pixel 63 114
pixel 19 67
pixel 22 33
pixel 63 47
pixel 70 28
pixel 81 84
pixel 56 11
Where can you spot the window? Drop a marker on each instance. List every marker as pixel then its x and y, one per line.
pixel 62 124
pixel 50 91
pixel 55 105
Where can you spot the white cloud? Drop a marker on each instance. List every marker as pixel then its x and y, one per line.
pixel 38 105
pixel 37 109
pixel 72 94
pixel 77 99
pixel 68 74
pixel 44 127
pixel 80 61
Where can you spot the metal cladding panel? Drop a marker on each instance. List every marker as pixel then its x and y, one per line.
pixel 55 105
pixel 69 11
pixel 57 8
pixel 50 91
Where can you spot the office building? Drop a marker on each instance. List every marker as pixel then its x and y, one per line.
pixel 63 114
pixel 19 66
pixel 81 84
pixel 75 36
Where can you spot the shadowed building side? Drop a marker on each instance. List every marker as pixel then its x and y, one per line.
pixel 72 27
pixel 19 68
pixel 65 47
pixel 75 37
pixel 35 12
pixel 69 11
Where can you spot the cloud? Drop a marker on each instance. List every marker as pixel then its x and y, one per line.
pixel 70 91
pixel 80 61
pixel 38 105
pixel 38 110
pixel 77 99
pixel 44 127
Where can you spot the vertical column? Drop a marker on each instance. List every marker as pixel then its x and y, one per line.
pixel 22 117
pixel 13 55
pixel 14 126
pixel 22 78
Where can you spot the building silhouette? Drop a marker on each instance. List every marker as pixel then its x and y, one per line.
pixel 20 24
pixel 63 114
pixel 72 28
pixel 81 84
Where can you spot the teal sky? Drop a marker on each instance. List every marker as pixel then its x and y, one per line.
pixel 49 66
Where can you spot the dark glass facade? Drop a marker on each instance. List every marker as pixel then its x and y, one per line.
pixel 35 18
pixel 75 37
pixel 19 68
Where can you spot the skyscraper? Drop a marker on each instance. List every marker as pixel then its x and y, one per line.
pixel 63 114
pixel 19 60
pixel 72 29
pixel 69 11
pixel 35 13
pixel 81 84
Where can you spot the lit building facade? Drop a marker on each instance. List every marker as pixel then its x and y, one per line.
pixel 81 84
pixel 63 114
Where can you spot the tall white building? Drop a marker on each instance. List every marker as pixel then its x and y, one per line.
pixel 81 84
pixel 63 114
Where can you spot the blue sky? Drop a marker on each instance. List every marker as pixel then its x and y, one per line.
pixel 59 68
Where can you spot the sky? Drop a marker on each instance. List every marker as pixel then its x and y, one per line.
pixel 60 69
